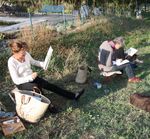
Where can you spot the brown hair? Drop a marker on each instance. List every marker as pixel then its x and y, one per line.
pixel 17 45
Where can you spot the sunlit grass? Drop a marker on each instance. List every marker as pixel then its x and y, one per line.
pixel 103 113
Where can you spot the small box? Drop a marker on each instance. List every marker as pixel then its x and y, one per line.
pixel 12 125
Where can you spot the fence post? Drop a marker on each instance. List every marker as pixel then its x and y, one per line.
pixel 64 19
pixel 31 25
pixel 30 19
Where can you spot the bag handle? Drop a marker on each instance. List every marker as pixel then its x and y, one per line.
pixel 36 90
pixel 23 100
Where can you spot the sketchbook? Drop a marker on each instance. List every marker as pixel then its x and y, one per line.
pixel 12 125
pixel 48 58
pixel 131 51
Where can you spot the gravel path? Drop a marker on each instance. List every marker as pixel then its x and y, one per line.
pixel 25 21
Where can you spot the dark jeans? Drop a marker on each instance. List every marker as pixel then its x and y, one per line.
pixel 131 58
pixel 41 83
pixel 125 67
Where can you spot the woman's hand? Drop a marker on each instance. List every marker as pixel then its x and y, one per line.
pixel 119 60
pixel 34 75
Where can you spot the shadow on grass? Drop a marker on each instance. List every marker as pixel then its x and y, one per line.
pixel 147 93
pixel 111 87
pixel 145 69
pixel 91 92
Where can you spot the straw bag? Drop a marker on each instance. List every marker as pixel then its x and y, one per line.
pixel 81 76
pixel 30 106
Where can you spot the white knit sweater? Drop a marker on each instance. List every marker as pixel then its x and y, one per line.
pixel 22 72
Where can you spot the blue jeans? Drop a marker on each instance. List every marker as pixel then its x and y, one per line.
pixel 125 67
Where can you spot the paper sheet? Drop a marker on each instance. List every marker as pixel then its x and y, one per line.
pixel 48 58
pixel 131 51
pixel 119 62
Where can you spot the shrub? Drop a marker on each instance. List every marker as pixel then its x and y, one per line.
pixel 38 39
pixel 3 61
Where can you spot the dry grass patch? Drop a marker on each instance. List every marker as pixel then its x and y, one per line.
pixel 104 25
pixel 37 39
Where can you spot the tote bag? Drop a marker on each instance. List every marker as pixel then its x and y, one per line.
pixel 30 106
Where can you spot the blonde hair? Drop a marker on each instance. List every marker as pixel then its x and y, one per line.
pixel 17 45
pixel 119 40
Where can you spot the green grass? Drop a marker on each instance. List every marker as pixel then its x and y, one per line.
pixel 2 23
pixel 99 114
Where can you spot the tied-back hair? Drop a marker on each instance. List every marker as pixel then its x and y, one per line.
pixel 17 45
pixel 119 40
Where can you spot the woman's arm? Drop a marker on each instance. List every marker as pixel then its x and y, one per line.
pixel 35 62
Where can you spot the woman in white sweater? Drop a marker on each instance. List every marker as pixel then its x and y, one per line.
pixel 19 65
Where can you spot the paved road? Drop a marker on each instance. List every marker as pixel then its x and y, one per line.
pixel 25 21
